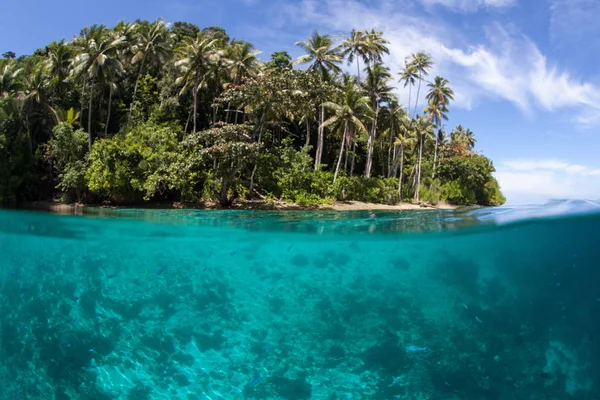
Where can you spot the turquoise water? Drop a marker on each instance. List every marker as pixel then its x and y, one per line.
pixel 134 304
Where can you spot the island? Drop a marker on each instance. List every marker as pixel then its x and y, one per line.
pixel 154 113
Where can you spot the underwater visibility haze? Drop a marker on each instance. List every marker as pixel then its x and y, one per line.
pixel 199 305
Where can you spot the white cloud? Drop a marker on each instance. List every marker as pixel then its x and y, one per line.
pixel 526 181
pixel 502 64
pixel 470 5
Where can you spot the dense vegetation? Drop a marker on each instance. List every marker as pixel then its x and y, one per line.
pixel 147 111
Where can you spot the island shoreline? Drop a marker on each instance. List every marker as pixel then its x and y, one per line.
pixel 250 205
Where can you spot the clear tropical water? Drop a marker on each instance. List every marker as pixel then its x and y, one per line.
pixel 134 304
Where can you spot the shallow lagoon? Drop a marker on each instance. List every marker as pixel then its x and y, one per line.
pixel 150 304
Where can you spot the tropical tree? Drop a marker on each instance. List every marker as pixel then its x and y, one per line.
pixel 424 130
pixel 439 97
pixel 406 140
pixel 324 58
pixel 409 76
pixel 355 48
pixel 376 46
pixel 393 118
pixel 9 78
pixel 377 88
pixel 194 59
pixel 352 105
pixel 421 63
pixel 97 61
pixel 58 64
pixel 152 45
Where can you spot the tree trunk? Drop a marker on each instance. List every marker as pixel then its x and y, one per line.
pixel 81 102
pixel 353 157
pixel 337 168
pixel 434 158
pixel 417 99
pixel 401 172
pixel 195 106
pixel 391 146
pixel 110 93
pixel 187 122
pixel 307 132
pixel 358 69
pixel 90 116
pixel 259 129
pixel 319 153
pixel 135 88
pixel 228 112
pixel 371 141
pixel 409 93
pixel 419 168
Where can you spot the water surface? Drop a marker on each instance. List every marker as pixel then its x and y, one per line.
pixel 150 304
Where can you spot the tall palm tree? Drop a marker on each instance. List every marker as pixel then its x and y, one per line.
pixel 376 46
pixel 324 58
pixel 422 63
pixel 355 47
pixel 96 61
pixel 351 106
pixel 394 117
pixel 152 44
pixel 409 76
pixel 406 140
pixel 439 97
pixel 9 78
pixel 194 59
pixel 58 63
pixel 424 129
pixel 377 88
pixel 243 64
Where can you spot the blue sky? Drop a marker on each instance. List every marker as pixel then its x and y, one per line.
pixel 525 72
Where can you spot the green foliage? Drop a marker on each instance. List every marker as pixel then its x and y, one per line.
pixel 469 180
pixel 135 165
pixel 67 152
pixel 370 190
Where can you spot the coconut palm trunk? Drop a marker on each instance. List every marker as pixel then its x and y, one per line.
pixel 371 141
pixel 90 115
pixel 401 175
pixel 319 154
pixel 307 132
pixel 135 88
pixel 418 183
pixel 417 99
pixel 110 93
pixel 339 162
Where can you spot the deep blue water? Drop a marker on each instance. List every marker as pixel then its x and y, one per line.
pixel 149 304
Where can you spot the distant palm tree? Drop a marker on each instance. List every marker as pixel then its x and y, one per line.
pixel 151 44
pixel 394 117
pixel 324 58
pixel 377 88
pixel 376 46
pixel 439 97
pixel 407 139
pixel 351 106
pixel 424 129
pixel 355 47
pixel 409 76
pixel 194 59
pixel 422 63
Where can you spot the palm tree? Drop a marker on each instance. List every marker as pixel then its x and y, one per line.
pixel 9 78
pixel 324 59
pixel 347 111
pixel 355 47
pixel 58 63
pixel 462 140
pixel 409 76
pixel 152 44
pixel 424 129
pixel 377 88
pixel 421 62
pixel 408 138
pixel 439 97
pixel 97 62
pixel 376 46
pixel 194 59
pixel 394 117
pixel 243 64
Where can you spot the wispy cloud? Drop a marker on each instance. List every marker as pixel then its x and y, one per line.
pixel 500 64
pixel 470 5
pixel 574 24
pixel 537 180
